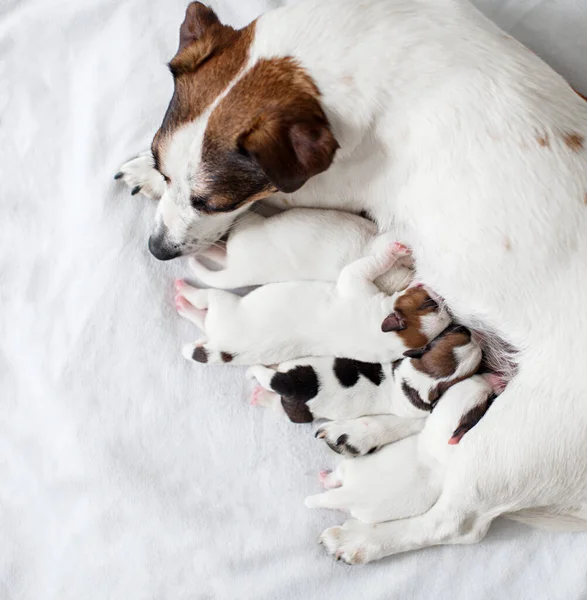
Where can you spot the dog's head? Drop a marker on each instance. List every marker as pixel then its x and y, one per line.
pixel 416 317
pixel 237 129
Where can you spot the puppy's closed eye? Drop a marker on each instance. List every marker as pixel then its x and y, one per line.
pixel 430 303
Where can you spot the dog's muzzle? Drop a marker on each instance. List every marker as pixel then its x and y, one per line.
pixel 161 250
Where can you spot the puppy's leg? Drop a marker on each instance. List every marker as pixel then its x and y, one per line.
pixel 225 278
pixel 358 277
pixel 357 437
pixel 141 176
pixel 190 312
pixel 262 374
pixel 195 296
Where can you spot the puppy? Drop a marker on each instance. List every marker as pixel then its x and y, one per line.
pixel 298 244
pixel 281 321
pixel 342 388
pixel 410 471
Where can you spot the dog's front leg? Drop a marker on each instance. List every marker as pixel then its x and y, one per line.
pixel 140 175
pixel 447 522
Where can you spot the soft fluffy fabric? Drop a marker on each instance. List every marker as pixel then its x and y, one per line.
pixel 125 472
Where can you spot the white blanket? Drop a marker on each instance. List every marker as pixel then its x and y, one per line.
pixel 125 472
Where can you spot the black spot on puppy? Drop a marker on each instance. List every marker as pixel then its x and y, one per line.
pixel 414 397
pixel 200 354
pixel 347 371
pixel 226 357
pixel 395 364
pixel 296 387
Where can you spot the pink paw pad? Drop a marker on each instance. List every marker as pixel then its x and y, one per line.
pixel 179 284
pixel 323 475
pixel 256 393
pixel 400 248
pixel 181 303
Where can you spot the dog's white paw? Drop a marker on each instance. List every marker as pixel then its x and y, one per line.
pixel 351 542
pixel 140 175
pixel 354 437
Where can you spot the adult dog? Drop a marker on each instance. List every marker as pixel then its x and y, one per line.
pixel 447 131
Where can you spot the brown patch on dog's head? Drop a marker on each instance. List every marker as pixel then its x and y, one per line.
pixel 438 359
pixel 273 122
pixel 209 56
pixel 231 137
pixel 575 141
pixel 543 140
pixel 410 306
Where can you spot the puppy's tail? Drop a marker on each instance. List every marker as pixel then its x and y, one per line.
pixel 553 518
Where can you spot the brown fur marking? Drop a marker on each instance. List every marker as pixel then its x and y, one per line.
pixel 575 141
pixel 226 357
pixel 410 307
pixel 202 70
pixel 544 140
pixel 439 360
pixel 200 354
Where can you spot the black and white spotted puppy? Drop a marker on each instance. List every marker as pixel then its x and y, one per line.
pixel 402 393
pixel 281 321
pixel 298 244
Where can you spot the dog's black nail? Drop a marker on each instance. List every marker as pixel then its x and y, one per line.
pixel 318 432
pixel 118 175
pixel 135 190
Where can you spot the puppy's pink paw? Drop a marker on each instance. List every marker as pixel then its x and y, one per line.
pixel 257 392
pixel 181 304
pixel 398 248
pixel 179 284
pixel 323 475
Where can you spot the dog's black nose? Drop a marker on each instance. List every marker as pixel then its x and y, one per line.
pixel 161 250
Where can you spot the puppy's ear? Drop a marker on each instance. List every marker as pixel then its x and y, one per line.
pixel 291 143
pixel 198 19
pixel 393 322
pixel 415 352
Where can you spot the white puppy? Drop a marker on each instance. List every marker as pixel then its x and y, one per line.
pixel 281 321
pixel 411 471
pixel 298 244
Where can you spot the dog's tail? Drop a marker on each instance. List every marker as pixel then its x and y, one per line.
pixel 553 518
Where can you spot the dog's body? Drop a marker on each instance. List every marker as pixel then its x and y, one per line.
pixel 466 145
pixel 298 244
pixel 313 318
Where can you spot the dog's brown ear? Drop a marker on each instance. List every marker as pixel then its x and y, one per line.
pixel 393 322
pixel 291 143
pixel 198 19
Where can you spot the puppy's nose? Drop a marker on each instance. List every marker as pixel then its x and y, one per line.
pixel 159 248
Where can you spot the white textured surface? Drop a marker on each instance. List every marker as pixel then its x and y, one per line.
pixel 126 473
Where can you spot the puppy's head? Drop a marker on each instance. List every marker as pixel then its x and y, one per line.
pixel 454 354
pixel 236 130
pixel 417 317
